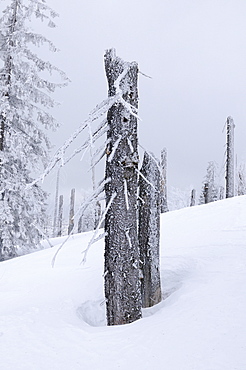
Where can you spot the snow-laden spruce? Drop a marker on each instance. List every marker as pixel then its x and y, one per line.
pixel 211 191
pixel 24 100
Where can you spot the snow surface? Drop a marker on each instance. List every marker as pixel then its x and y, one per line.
pixel 54 318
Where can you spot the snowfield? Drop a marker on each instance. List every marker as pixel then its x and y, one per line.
pixel 54 318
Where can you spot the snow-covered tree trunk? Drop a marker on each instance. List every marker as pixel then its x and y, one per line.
pixel 7 250
pixel 211 189
pixel 55 223
pixel 230 158
pixel 97 214
pixel 1 133
pixel 149 231
pixel 80 223
pixel 206 193
pixel 71 212
pixel 193 197
pixel 164 206
pixel 221 193
pixel 122 284
pixel 60 216
pixel 241 182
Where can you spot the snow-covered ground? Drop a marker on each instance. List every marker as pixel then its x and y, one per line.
pixel 53 318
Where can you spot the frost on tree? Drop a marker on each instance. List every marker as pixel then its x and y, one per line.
pixel 60 215
pixel 164 206
pixel 193 198
pixel 23 116
pixel 241 181
pixel 149 231
pixel 55 221
pixel 230 158
pixel 71 212
pixel 210 189
pixel 122 284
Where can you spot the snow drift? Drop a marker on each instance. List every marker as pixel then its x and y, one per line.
pixel 54 318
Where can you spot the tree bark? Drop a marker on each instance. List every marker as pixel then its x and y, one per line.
pixel 149 231
pixel 122 284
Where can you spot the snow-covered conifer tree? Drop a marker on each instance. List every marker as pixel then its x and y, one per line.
pixel 24 99
pixel 241 181
pixel 210 189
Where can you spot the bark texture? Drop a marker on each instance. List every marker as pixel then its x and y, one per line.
pixel 122 284
pixel 149 231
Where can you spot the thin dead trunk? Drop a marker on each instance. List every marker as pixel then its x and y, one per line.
pixel 71 212
pixel 149 231
pixel 60 216
pixel 163 186
pixel 230 158
pixel 193 198
pixel 55 223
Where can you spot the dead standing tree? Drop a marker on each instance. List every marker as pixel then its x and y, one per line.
pixel 163 186
pixel 230 158
pixel 60 215
pixel 71 212
pixel 149 231
pixel 193 198
pixel 122 284
pixel 55 222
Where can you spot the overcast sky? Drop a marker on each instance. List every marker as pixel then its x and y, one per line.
pixel 195 52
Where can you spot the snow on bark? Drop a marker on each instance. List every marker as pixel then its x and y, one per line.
pixel 149 231
pixel 55 221
pixel 230 158
pixel 241 180
pixel 164 206
pixel 122 285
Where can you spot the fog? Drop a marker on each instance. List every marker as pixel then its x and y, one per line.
pixel 195 54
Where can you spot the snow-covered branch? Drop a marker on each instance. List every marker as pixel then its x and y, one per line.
pixel 80 212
